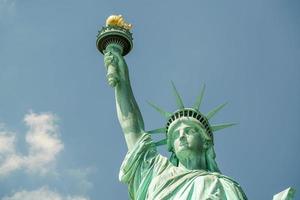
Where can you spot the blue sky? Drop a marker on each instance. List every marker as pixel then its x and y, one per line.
pixel 59 136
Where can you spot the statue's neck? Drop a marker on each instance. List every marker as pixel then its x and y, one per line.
pixel 195 162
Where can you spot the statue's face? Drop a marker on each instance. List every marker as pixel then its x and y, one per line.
pixel 187 139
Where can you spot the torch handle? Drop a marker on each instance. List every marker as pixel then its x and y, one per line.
pixel 112 75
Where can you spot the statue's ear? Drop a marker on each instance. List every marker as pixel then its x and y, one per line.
pixel 206 144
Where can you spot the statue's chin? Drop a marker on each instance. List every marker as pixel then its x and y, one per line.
pixel 183 152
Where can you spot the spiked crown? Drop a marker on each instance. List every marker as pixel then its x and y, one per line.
pixel 193 112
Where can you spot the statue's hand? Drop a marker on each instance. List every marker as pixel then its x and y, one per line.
pixel 115 65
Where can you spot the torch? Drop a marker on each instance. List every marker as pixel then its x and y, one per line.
pixel 116 34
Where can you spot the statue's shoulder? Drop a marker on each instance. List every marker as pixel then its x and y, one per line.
pixel 224 177
pixel 229 183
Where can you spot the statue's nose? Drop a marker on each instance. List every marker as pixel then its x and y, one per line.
pixel 182 134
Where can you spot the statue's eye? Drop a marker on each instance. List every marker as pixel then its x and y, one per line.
pixel 192 131
pixel 175 134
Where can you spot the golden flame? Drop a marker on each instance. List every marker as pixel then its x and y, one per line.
pixel 118 20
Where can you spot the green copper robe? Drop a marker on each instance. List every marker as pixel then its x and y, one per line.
pixel 151 176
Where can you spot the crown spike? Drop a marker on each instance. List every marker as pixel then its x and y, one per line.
pixel 199 98
pixel 161 111
pixel 161 142
pixel 215 110
pixel 158 130
pixel 218 127
pixel 178 98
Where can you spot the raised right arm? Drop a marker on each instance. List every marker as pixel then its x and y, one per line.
pixel 129 115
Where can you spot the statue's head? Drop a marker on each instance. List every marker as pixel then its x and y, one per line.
pixel 188 119
pixel 188 132
pixel 186 136
pixel 189 135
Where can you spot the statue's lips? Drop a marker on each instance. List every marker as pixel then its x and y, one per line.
pixel 183 143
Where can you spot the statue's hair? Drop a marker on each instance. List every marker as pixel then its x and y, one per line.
pixel 210 157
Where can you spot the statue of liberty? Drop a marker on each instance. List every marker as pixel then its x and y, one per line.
pixel 191 173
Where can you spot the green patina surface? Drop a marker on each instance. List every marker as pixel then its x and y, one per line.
pixel 191 172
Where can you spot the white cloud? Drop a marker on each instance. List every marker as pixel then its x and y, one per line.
pixel 43 147
pixel 42 193
pixel 43 142
pixel 7 141
pixel 7 8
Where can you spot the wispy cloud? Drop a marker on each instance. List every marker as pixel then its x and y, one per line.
pixel 43 142
pixel 7 140
pixel 7 9
pixel 42 193
pixel 80 177
pixel 43 147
